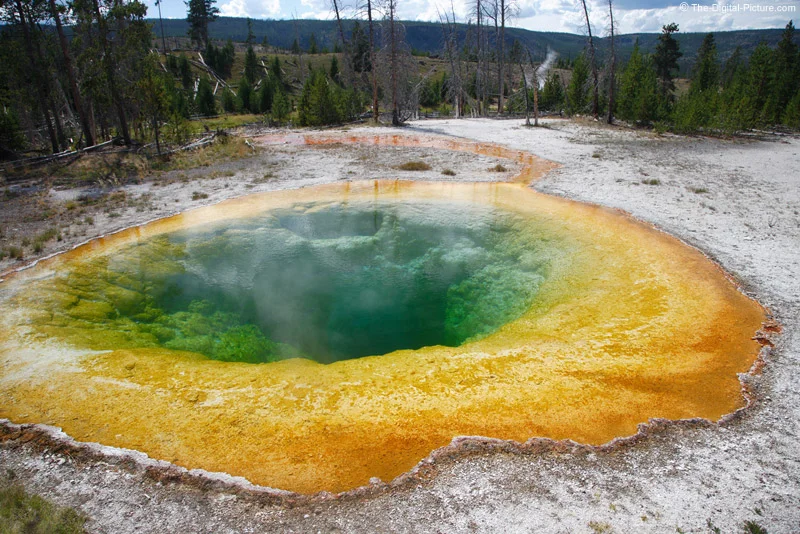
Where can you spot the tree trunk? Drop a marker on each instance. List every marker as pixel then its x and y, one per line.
pixel 157 134
pixel 525 90
pixel 535 90
pixel 161 21
pixel 502 58
pixel 339 21
pixel 62 139
pixel 479 94
pixel 110 68
pixel 393 60
pixel 375 109
pixel 593 63
pixel 612 73
pixel 73 84
pixel 42 99
pixel 348 65
pixel 50 131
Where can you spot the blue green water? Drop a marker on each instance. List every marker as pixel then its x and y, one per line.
pixel 323 281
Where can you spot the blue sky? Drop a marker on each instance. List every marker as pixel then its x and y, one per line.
pixel 549 15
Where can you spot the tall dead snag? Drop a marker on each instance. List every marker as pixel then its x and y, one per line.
pixel 391 6
pixel 397 67
pixel 161 21
pixel 535 84
pixel 525 91
pixel 455 84
pixel 592 62
pixel 73 84
pixel 373 67
pixel 501 57
pixel 612 66
pixel 481 73
pixel 347 52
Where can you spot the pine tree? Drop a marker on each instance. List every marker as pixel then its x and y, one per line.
pixel 265 96
pixel 786 76
pixel 11 136
pixel 552 96
pixel 200 14
pixel 275 71
pixel 317 105
pixel 229 104
pixel 578 90
pixel 251 38
pixel 334 71
pixel 733 68
pixel 705 76
pixel 360 47
pixel 245 94
pixel 250 65
pixel 757 87
pixel 638 99
pixel 791 117
pixel 204 100
pixel 699 107
pixel 153 95
pixel 312 45
pixel 666 62
pixel 185 73
pixel 280 106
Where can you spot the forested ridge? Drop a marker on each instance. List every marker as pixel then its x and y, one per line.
pixel 427 37
pixel 77 73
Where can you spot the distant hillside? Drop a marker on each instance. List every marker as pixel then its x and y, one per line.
pixel 427 37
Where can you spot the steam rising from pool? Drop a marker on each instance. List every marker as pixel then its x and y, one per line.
pixel 326 281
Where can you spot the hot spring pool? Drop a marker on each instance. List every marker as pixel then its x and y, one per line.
pixel 312 339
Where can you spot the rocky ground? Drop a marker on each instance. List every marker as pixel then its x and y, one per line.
pixel 737 200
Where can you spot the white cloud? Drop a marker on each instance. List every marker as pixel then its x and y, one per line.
pixel 251 8
pixel 631 16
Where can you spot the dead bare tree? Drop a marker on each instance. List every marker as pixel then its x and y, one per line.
pixel 455 85
pixel 535 83
pixel 500 11
pixel 481 54
pixel 368 8
pixel 525 90
pixel 612 65
pixel 393 44
pixel 397 66
pixel 592 62
pixel 336 11
pixel 336 5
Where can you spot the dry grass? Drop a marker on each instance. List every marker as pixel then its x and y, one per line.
pixel 414 166
pixel 497 168
pixel 22 512
pixel 449 172
pixel 218 152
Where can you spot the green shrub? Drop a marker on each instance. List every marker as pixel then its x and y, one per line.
pixel 21 512
pixel 206 105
